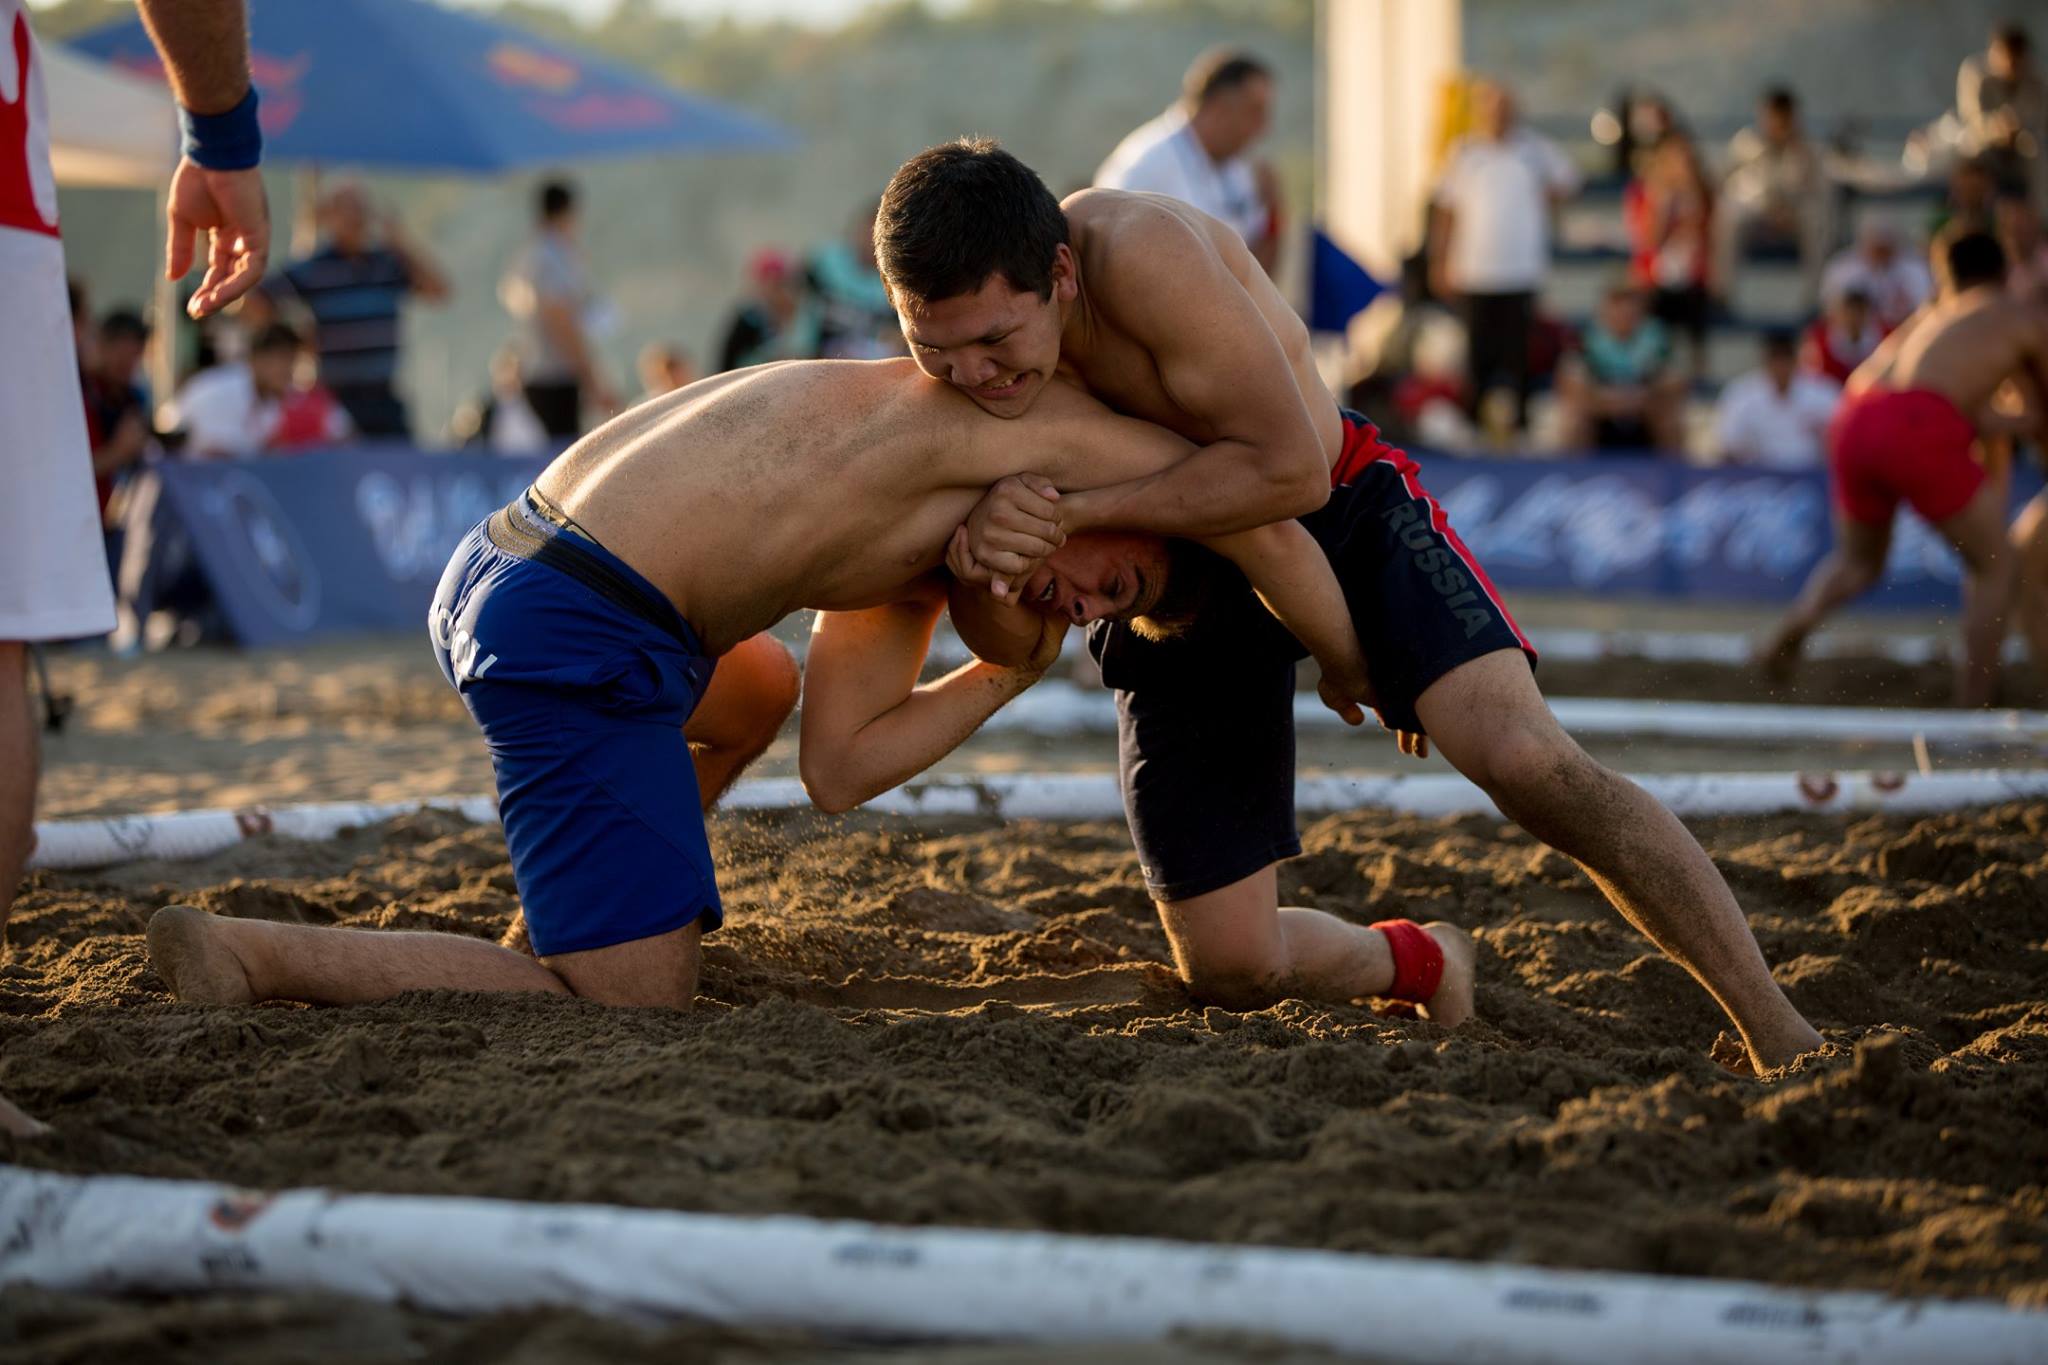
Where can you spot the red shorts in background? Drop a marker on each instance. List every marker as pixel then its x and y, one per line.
pixel 1886 446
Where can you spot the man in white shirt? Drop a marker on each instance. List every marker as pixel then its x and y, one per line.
pixel 1776 417
pixel 1895 282
pixel 1195 151
pixel 1489 239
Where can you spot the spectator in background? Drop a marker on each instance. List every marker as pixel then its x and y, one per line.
pixel 2002 101
pixel 1842 337
pixel 502 422
pixel 664 368
pixel 1776 417
pixel 116 405
pixel 1489 241
pixel 1196 151
pixel 1971 189
pixel 1619 390
pixel 548 291
pixel 352 286
pixel 254 406
pixel 2026 246
pixel 854 318
pixel 1894 281
pixel 1775 195
pixel 772 323
pixel 1669 210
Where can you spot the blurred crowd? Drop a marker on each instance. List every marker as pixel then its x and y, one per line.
pixel 1674 356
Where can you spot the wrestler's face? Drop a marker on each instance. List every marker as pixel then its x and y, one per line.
pixel 998 345
pixel 1098 575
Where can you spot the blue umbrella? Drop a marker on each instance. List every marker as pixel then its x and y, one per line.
pixel 407 85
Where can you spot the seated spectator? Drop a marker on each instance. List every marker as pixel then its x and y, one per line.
pixel 116 405
pixel 257 405
pixel 1896 282
pixel 1776 417
pixel 2002 102
pixel 1775 195
pixel 1619 390
pixel 2026 246
pixel 1669 210
pixel 503 422
pixel 1841 338
pixel 1971 189
pixel 664 368
pixel 772 323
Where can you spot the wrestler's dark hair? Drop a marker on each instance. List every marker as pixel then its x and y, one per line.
pixel 1217 70
pixel 1974 258
pixel 958 214
pixel 1195 575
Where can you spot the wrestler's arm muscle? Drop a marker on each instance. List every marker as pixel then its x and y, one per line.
pixel 1080 445
pixel 205 48
pixel 867 725
pixel 1219 362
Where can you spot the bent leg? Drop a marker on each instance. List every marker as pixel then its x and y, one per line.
pixel 752 692
pixel 1239 948
pixel 18 768
pixel 1490 722
pixel 1851 569
pixel 1979 535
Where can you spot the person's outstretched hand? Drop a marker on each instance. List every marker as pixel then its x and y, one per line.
pixel 230 208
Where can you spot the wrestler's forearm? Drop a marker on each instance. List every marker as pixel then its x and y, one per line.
pixel 205 47
pixel 998 632
pixel 1293 577
pixel 908 738
pixel 1218 490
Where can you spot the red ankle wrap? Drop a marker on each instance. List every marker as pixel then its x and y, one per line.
pixel 1418 960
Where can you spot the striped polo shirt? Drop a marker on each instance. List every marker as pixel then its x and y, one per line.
pixel 354 302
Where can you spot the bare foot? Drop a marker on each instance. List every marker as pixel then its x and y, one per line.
pixel 193 956
pixel 17 1124
pixel 1452 1003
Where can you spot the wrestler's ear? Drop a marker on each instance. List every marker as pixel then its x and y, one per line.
pixel 1066 281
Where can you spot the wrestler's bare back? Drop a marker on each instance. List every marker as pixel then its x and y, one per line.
pixel 826 484
pixel 1106 228
pixel 1964 348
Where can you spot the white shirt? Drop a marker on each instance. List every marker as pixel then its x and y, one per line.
pixel 1894 291
pixel 1499 194
pixel 1165 157
pixel 220 414
pixel 1757 425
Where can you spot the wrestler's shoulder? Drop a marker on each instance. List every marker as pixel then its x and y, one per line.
pixel 1120 222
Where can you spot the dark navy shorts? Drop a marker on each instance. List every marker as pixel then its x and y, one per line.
pixel 1205 719
pixel 581 674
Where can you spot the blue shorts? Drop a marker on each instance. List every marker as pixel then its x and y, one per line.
pixel 581 674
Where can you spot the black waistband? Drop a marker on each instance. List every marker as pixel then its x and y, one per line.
pixel 531 527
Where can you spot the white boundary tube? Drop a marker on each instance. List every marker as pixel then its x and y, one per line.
pixel 124 1234
pixel 1065 708
pixel 181 835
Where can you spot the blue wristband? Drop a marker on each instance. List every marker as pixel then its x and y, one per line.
pixel 230 141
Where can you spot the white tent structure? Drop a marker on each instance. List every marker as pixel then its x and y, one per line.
pixel 107 128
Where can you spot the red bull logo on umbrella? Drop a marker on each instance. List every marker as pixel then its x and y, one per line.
pixel 516 65
pixel 277 80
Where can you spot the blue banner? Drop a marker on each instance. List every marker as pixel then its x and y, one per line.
pixel 354 540
pixel 1643 527
pixel 338 542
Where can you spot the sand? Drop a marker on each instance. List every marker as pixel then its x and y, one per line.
pixel 969 1024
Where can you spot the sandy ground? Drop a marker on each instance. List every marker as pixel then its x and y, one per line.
pixel 969 1023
